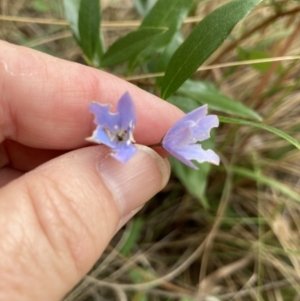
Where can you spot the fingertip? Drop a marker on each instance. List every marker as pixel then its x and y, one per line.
pixel 136 181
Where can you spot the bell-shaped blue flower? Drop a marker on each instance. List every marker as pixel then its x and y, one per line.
pixel 115 129
pixel 181 140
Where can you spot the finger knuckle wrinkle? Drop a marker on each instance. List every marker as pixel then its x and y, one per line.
pixel 59 222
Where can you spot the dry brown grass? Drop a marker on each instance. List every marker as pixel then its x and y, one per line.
pixel 247 245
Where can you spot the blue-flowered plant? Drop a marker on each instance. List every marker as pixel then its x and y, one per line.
pixel 160 46
pixel 115 130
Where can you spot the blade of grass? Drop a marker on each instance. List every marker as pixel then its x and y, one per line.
pixel 134 233
pixel 262 126
pixel 260 178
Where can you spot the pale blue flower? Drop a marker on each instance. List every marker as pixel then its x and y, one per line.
pixel 115 130
pixel 181 140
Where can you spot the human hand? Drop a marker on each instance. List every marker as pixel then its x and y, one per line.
pixel 61 200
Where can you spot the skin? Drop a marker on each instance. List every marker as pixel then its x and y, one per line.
pixel 61 199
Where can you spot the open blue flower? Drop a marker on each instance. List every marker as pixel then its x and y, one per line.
pixel 181 140
pixel 115 129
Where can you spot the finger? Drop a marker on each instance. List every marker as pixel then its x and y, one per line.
pixel 56 220
pixel 7 175
pixel 44 101
pixel 25 158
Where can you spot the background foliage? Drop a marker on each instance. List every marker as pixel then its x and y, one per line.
pixel 220 233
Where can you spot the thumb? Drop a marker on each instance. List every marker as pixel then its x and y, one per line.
pixel 56 221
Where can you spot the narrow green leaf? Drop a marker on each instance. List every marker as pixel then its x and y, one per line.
pixel 161 62
pixel 129 46
pixel 164 58
pixel 207 36
pixel 168 14
pixel 143 6
pixel 195 181
pixel 262 126
pixel 206 93
pixel 99 52
pixel 254 54
pixel 158 59
pixel 185 104
pixel 41 6
pixel 266 181
pixel 246 54
pixel 89 27
pixel 71 8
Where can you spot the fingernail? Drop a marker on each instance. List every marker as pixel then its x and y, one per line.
pixel 132 184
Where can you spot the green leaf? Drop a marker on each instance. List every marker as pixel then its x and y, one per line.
pixel 262 126
pixel 206 37
pixel 195 181
pixel 143 6
pixel 206 93
pixel 164 58
pixel 254 54
pixel 150 58
pixel 160 63
pixel 41 6
pixel 99 52
pixel 165 13
pixel 185 104
pixel 129 46
pixel 89 27
pixel 71 8
pixel 169 14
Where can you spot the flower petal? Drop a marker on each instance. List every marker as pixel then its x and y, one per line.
pixel 182 135
pixel 181 140
pixel 115 129
pixel 197 153
pixel 176 153
pixel 103 116
pixel 126 111
pixel 203 127
pixel 124 152
pixel 194 116
pixel 100 136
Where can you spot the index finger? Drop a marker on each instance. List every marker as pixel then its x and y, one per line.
pixel 44 101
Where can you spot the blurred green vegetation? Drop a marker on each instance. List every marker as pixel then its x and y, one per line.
pixel 220 233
